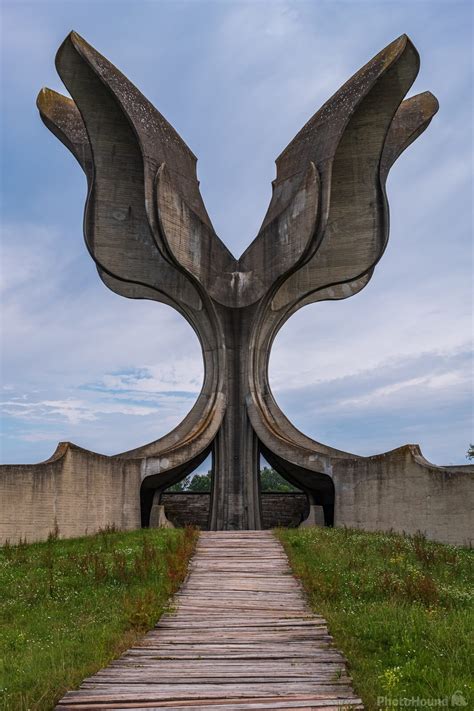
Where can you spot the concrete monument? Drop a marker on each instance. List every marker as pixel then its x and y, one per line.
pixel 325 229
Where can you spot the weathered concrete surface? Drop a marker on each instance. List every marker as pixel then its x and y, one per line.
pixel 187 509
pixel 324 232
pixel 76 491
pixel 158 517
pixel 148 231
pixel 403 492
pixel 314 518
pixel 82 492
pixel 283 509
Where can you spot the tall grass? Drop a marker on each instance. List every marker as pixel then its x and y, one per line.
pixel 400 608
pixel 67 607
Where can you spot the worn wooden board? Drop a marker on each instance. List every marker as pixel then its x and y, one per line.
pixel 239 636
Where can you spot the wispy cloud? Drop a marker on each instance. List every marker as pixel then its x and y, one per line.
pixel 424 399
pixel 74 411
pixel 184 375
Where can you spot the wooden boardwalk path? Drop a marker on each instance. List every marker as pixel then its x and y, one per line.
pixel 241 638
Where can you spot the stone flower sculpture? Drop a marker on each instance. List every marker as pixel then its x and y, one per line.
pixel 147 229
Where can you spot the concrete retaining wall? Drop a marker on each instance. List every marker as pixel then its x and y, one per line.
pixel 77 491
pixel 278 509
pixel 187 509
pixel 81 492
pixel 403 492
pixel 284 509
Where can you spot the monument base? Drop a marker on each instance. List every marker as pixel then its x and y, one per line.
pixel 158 515
pixel 80 492
pixel 315 517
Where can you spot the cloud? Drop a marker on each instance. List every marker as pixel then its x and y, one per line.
pixel 92 421
pixel 113 373
pixel 423 399
pixel 74 411
pixel 337 339
pixel 412 386
pixel 238 80
pixel 184 375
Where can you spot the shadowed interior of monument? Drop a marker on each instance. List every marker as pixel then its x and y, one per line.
pixel 318 487
pixel 160 482
pixel 277 508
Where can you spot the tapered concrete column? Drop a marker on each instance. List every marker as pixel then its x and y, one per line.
pixel 236 491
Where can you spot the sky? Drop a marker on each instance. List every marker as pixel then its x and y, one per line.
pixel 390 366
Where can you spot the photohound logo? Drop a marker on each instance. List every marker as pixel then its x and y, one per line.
pixel 387 703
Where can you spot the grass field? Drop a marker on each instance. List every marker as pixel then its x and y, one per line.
pixel 401 609
pixel 68 607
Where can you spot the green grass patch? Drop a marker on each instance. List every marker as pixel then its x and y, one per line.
pixel 399 608
pixel 68 607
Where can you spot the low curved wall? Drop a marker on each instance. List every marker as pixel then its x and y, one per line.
pixel 75 492
pixel 401 491
pixel 79 492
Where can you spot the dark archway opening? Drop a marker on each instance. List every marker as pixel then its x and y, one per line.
pixel 318 487
pixel 282 504
pixel 156 486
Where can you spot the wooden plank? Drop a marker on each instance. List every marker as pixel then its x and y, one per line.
pixel 299 702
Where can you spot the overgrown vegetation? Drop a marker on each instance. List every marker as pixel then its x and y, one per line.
pixel 270 480
pixel 400 608
pixel 67 607
pixel 197 483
